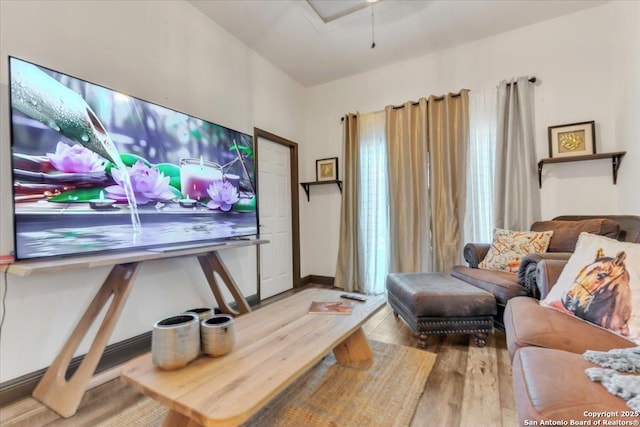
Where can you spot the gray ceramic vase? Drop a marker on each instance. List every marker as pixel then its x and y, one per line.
pixel 175 341
pixel 218 335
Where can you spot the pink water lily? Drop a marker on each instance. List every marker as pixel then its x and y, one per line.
pixel 76 159
pixel 223 195
pixel 148 184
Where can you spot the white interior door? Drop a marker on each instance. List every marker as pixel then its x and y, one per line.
pixel 274 195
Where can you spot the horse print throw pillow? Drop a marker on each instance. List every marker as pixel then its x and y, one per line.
pixel 601 284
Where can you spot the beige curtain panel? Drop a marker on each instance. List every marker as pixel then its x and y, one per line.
pixel 426 156
pixel 448 142
pixel 427 151
pixel 409 210
pixel 347 267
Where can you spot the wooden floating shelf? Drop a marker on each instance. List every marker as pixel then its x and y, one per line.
pixel 616 158
pixel 307 185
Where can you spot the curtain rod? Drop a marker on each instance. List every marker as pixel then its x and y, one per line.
pixel 455 95
pixel 531 80
pixel 437 98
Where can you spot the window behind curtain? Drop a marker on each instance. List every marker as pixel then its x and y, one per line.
pixel 481 166
pixel 374 202
pixel 373 188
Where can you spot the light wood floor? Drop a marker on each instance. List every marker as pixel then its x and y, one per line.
pixel 469 386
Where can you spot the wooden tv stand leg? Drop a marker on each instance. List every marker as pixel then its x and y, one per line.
pixel 54 390
pixel 212 263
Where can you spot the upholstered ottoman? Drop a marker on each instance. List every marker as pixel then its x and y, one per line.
pixel 436 303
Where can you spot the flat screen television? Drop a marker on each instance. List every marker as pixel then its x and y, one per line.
pixel 96 170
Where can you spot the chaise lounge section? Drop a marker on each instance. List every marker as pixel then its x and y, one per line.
pixel 505 285
pixel 547 346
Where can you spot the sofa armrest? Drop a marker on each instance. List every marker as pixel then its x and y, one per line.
pixel 475 252
pixel 547 273
pixel 527 271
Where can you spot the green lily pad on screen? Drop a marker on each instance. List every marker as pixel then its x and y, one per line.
pixel 80 195
pixel 168 169
pixel 245 205
pixel 174 182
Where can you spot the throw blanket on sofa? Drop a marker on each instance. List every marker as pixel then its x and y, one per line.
pixel 623 385
pixel 622 359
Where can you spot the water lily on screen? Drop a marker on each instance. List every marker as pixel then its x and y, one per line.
pixel 223 195
pixel 76 159
pixel 148 184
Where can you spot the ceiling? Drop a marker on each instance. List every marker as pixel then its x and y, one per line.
pixel 316 41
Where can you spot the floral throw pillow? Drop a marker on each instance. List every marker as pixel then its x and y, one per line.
pixel 508 248
pixel 601 284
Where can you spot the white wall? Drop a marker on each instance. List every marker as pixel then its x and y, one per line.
pixel 165 52
pixel 627 107
pixel 588 67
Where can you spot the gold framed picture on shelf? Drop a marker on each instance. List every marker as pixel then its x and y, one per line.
pixel 575 139
pixel 327 169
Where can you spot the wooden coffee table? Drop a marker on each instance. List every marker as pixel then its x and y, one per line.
pixel 275 345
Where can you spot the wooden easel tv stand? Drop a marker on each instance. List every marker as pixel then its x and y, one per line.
pixel 64 396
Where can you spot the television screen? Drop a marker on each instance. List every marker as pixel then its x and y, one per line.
pixel 97 170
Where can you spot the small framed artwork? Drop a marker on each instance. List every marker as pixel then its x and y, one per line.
pixel 327 169
pixel 575 139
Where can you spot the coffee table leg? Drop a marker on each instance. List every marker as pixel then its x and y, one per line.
pixel 353 349
pixel 176 419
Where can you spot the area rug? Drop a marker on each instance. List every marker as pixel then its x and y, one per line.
pixel 383 392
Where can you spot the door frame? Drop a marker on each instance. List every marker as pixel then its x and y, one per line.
pixel 295 202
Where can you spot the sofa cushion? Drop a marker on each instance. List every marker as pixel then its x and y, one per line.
pixel 508 247
pixel 552 385
pixel 601 284
pixel 502 284
pixel 629 224
pixel 565 233
pixel 527 323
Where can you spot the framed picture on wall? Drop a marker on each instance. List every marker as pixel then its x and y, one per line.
pixel 575 139
pixel 327 169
